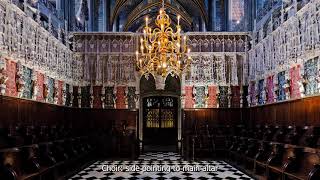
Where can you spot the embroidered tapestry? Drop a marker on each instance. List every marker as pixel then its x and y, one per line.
pixel 50 90
pixel 270 90
pixel 85 96
pixel 121 97
pixel 40 82
pixel 131 97
pixel 68 95
pixel 109 98
pixel 200 98
pixel 188 101
pixel 311 73
pixel 27 78
pixel 235 96
pixel 97 96
pixel 75 102
pixel 223 96
pixel 212 99
pixel 294 82
pixel 253 93
pixel 260 92
pixel 244 96
pixel 281 90
pixel 60 92
pixel 11 70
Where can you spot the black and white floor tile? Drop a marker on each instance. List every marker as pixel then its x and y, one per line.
pixel 157 156
pixel 160 166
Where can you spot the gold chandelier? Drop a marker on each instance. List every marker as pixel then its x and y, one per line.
pixel 163 51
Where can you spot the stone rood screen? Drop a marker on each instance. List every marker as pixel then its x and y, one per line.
pixel 218 59
pixel 109 58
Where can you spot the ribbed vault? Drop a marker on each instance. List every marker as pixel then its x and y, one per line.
pixel 132 12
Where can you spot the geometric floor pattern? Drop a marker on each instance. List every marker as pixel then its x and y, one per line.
pixel 166 165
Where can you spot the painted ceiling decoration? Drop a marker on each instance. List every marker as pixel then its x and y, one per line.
pixel 135 9
pixel 137 14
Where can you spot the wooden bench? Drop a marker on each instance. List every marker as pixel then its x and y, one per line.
pixel 258 132
pixel 283 160
pixel 279 134
pixel 250 153
pixel 307 166
pixel 309 137
pixel 294 135
pixel 5 140
pixel 44 160
pixel 261 158
pixel 235 143
pixel 268 132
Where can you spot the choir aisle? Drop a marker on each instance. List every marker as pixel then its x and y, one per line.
pixel 161 165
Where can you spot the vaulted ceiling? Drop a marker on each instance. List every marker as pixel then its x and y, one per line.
pixel 133 12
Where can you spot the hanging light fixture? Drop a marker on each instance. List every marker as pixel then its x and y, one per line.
pixel 163 51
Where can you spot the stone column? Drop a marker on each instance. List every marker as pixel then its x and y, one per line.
pixel 107 12
pixel 91 15
pixel 200 24
pixel 118 24
pixel 210 12
pixel 59 8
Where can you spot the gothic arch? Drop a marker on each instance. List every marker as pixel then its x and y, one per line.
pixel 147 84
pixel 173 84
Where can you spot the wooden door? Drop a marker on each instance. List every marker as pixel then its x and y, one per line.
pixel 160 115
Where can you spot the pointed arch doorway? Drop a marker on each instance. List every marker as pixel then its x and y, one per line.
pixel 160 115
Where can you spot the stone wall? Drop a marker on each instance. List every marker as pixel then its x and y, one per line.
pixel 284 57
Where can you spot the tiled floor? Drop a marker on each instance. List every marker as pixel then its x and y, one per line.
pixel 165 166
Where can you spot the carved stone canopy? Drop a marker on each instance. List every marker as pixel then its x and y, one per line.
pixel 160 82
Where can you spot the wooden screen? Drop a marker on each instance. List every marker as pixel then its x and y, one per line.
pixel 160 119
